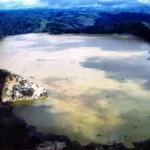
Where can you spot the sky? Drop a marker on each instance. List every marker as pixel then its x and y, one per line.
pixel 6 4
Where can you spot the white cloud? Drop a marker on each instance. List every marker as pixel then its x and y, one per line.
pixel 72 3
pixel 144 1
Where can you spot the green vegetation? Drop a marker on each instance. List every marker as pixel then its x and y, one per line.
pixel 55 21
pixel 23 103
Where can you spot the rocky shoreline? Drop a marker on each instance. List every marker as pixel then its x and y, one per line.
pixel 16 134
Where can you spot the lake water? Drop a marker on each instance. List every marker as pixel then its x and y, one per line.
pixel 99 86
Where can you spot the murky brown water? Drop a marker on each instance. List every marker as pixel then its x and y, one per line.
pixel 99 85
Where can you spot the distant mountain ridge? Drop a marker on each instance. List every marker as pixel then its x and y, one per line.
pixel 59 21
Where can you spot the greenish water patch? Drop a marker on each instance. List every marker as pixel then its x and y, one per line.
pixel 23 102
pixel 20 103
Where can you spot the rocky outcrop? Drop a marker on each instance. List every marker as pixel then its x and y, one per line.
pixel 14 88
pixel 49 145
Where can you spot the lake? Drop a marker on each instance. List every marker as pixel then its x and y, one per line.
pixel 99 86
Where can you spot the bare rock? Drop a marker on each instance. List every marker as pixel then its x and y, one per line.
pixel 49 145
pixel 13 87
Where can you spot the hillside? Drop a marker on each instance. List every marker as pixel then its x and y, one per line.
pixel 57 21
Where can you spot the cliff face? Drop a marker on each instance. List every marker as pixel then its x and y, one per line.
pixel 59 21
pixel 14 87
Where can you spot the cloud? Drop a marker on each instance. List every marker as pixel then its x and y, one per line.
pixel 95 2
pixel 4 4
pixel 68 3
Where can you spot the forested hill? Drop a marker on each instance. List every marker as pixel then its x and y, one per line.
pixel 58 21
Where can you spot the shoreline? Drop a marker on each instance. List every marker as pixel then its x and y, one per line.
pixel 33 139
